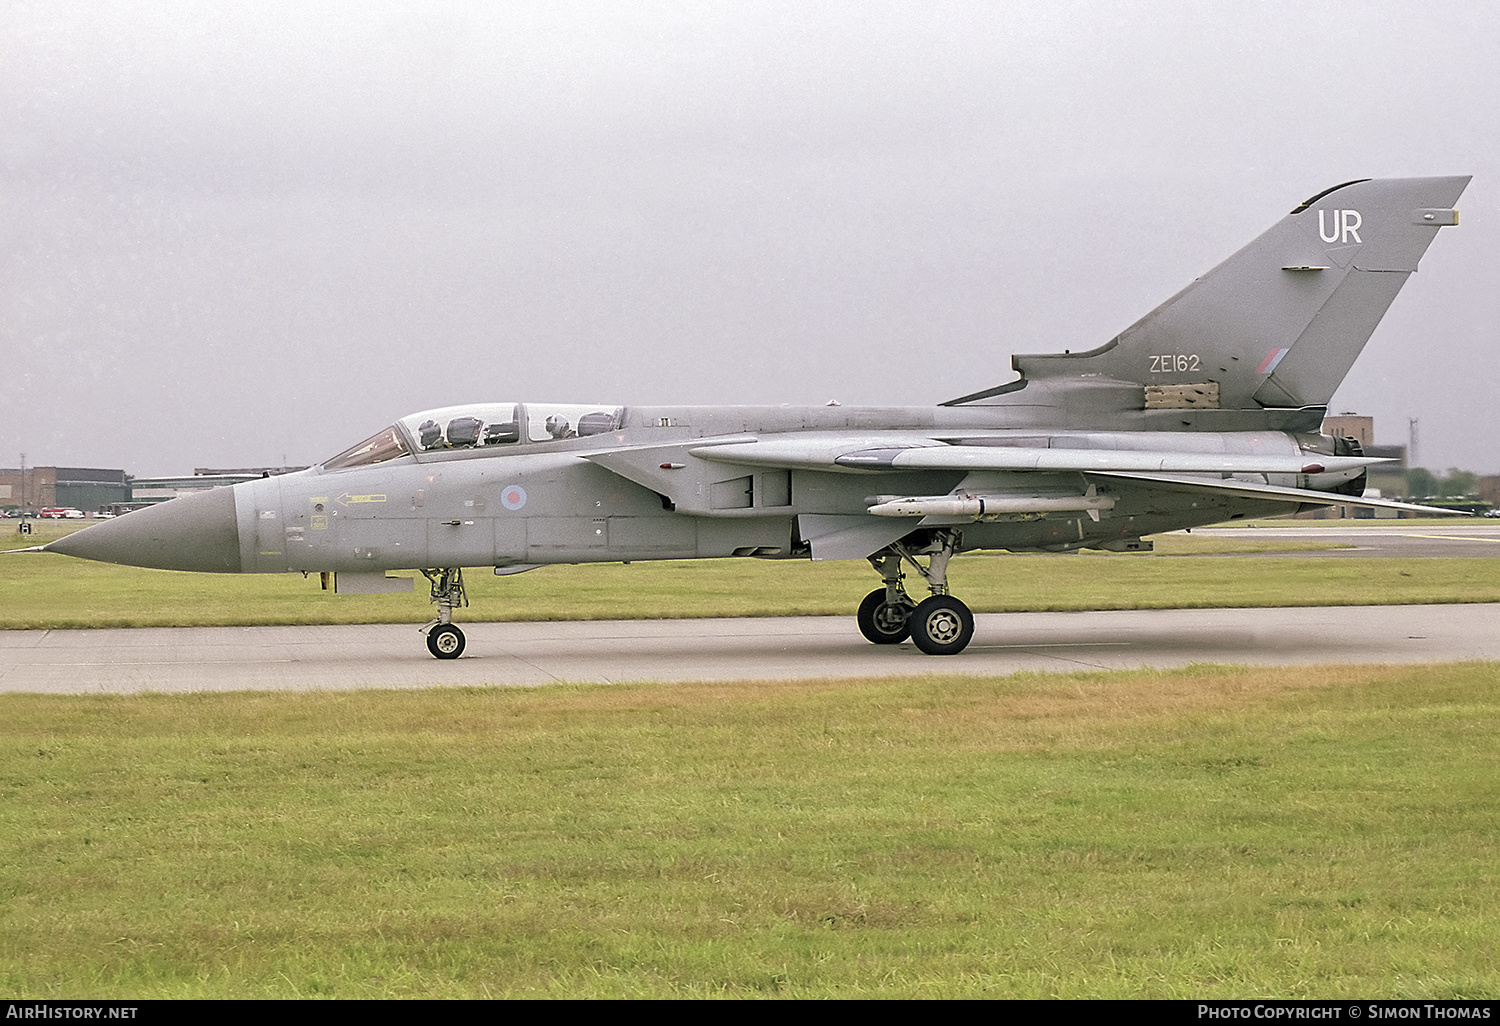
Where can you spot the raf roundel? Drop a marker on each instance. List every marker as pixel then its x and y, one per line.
pixel 513 497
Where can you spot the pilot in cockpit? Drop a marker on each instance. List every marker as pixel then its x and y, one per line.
pixel 430 434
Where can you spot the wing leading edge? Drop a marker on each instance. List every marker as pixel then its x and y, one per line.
pixel 934 455
pixel 1253 490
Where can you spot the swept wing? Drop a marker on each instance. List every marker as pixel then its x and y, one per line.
pixel 849 454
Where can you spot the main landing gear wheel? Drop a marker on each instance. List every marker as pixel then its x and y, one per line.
pixel 941 625
pixel 882 621
pixel 445 641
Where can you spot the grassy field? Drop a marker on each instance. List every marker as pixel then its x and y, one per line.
pixel 51 591
pixel 1200 833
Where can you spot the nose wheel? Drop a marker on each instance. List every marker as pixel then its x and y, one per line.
pixel 445 641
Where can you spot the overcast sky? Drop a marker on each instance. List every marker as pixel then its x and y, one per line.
pixel 234 234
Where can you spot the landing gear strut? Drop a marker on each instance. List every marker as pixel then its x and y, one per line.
pixel 938 625
pixel 444 639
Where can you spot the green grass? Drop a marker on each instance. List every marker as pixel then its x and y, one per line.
pixel 1325 832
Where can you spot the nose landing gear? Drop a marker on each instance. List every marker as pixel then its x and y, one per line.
pixel 940 624
pixel 444 639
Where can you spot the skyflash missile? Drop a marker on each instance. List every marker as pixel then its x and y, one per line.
pixel 991 505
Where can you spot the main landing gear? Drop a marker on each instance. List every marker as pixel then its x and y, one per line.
pixel 885 613
pixel 938 625
pixel 444 639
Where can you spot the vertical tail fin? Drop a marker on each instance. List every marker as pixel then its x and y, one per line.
pixel 1280 322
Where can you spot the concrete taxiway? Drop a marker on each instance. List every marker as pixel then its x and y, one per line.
pixel 394 656
pixel 1462 539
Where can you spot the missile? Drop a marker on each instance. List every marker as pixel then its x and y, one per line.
pixel 990 505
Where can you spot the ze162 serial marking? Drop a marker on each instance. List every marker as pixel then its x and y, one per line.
pixel 1174 363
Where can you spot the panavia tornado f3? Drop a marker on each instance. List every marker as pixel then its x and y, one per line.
pixel 1207 409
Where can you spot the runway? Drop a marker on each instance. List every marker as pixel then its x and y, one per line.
pixel 518 654
pixel 1462 538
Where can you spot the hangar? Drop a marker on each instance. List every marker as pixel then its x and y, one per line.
pixel 92 488
pixel 86 488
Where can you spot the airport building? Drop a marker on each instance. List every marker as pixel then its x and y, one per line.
pixel 85 488
pixel 93 489
pixel 28 488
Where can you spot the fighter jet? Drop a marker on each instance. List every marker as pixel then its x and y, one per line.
pixel 1207 409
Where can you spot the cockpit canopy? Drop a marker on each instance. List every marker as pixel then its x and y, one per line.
pixel 480 426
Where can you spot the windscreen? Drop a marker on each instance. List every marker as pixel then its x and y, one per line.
pixel 385 445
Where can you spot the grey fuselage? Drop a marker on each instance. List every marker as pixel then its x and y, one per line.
pixel 549 502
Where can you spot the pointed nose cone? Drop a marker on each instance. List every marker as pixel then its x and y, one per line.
pixel 193 532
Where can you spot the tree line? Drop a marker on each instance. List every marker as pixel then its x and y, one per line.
pixel 1422 483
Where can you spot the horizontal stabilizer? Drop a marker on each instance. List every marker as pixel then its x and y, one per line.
pixel 1251 490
